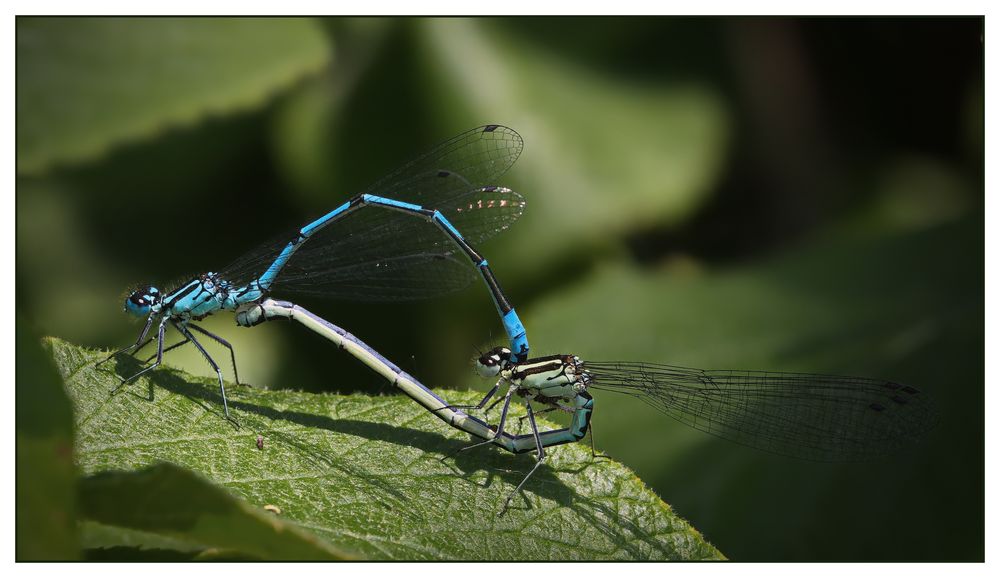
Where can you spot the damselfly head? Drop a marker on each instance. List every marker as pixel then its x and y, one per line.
pixel 141 301
pixel 492 362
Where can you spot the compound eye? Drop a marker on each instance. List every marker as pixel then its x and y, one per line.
pixel 495 357
pixel 141 301
pixel 493 362
pixel 501 355
pixel 147 295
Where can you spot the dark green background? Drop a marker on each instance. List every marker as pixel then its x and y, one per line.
pixel 767 193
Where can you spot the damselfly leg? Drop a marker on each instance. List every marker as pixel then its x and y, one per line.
pixel 159 354
pixel 540 453
pixel 520 420
pixel 500 426
pixel 222 386
pixel 221 341
pixel 482 402
pixel 188 337
pixel 166 350
pixel 139 343
pixel 593 448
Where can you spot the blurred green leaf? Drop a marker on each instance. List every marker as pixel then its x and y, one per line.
pixel 907 307
pixel 167 499
pixel 604 155
pixel 86 84
pixel 101 538
pixel 364 473
pixel 45 474
pixel 650 157
pixel 305 127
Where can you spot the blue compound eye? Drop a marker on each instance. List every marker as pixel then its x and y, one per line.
pixel 141 301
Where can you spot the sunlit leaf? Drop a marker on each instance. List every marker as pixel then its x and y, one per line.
pixel 365 474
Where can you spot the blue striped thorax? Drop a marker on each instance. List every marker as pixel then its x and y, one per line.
pixel 196 299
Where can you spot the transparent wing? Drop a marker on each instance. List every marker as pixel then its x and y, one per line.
pixel 473 159
pixel 375 254
pixel 815 417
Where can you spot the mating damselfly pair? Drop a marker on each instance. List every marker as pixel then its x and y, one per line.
pixel 411 235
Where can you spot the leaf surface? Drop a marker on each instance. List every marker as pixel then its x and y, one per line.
pixel 365 474
pixel 168 500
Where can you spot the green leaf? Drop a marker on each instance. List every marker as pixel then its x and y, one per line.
pixel 45 504
pixel 86 84
pixel 648 158
pixel 96 537
pixel 365 473
pixel 169 500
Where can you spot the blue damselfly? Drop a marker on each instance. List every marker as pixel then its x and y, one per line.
pixel 387 245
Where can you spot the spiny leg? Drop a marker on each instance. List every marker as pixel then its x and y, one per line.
pixel 520 420
pixel 492 405
pixel 232 354
pixel 215 366
pixel 140 348
pixel 481 403
pixel 136 345
pixel 486 412
pixel 143 346
pixel 593 449
pixel 541 459
pixel 172 347
pixel 159 355
pixel 500 426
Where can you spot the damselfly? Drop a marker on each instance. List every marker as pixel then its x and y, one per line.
pixel 814 417
pixel 269 309
pixel 808 416
pixel 392 250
